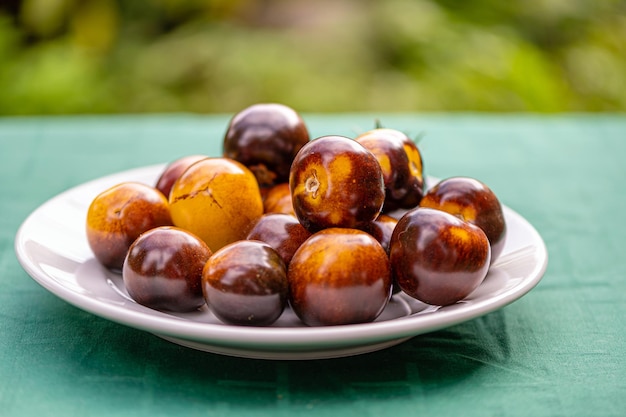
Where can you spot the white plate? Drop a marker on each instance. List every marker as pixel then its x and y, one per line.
pixel 52 247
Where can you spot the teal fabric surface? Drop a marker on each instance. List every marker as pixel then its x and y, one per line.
pixel 558 351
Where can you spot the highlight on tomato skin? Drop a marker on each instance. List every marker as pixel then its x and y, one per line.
pixel 118 215
pixel 473 201
pixel 438 258
pixel 336 182
pixel 265 137
pixel 283 232
pixel 402 165
pixel 245 283
pixel 339 276
pixel 331 227
pixel 163 269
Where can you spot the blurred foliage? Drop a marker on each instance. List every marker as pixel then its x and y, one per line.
pixel 114 56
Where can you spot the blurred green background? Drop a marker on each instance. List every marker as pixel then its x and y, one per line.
pixel 216 56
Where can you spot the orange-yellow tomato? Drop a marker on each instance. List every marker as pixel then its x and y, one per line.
pixel 278 199
pixel 118 215
pixel 217 199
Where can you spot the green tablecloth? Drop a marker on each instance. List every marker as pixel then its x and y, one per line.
pixel 558 351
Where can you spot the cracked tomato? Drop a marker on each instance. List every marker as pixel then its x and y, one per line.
pixel 217 199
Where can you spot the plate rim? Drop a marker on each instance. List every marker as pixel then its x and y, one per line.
pixel 271 339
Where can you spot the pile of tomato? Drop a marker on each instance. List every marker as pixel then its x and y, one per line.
pixel 330 227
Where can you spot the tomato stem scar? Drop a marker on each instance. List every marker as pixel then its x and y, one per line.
pixel 312 184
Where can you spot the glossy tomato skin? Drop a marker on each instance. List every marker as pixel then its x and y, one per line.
pixel 474 202
pixel 245 283
pixel 339 276
pixel 402 166
pixel 118 215
pixel 173 170
pixel 336 182
pixel 438 258
pixel 265 137
pixel 218 199
pixel 163 269
pixel 382 229
pixel 283 232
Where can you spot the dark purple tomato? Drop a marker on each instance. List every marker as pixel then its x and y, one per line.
pixel 402 166
pixel 382 229
pixel 174 170
pixel 438 258
pixel 245 283
pixel 283 232
pixel 266 137
pixel 475 203
pixel 163 269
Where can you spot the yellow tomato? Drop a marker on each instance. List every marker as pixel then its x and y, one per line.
pixel 217 199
